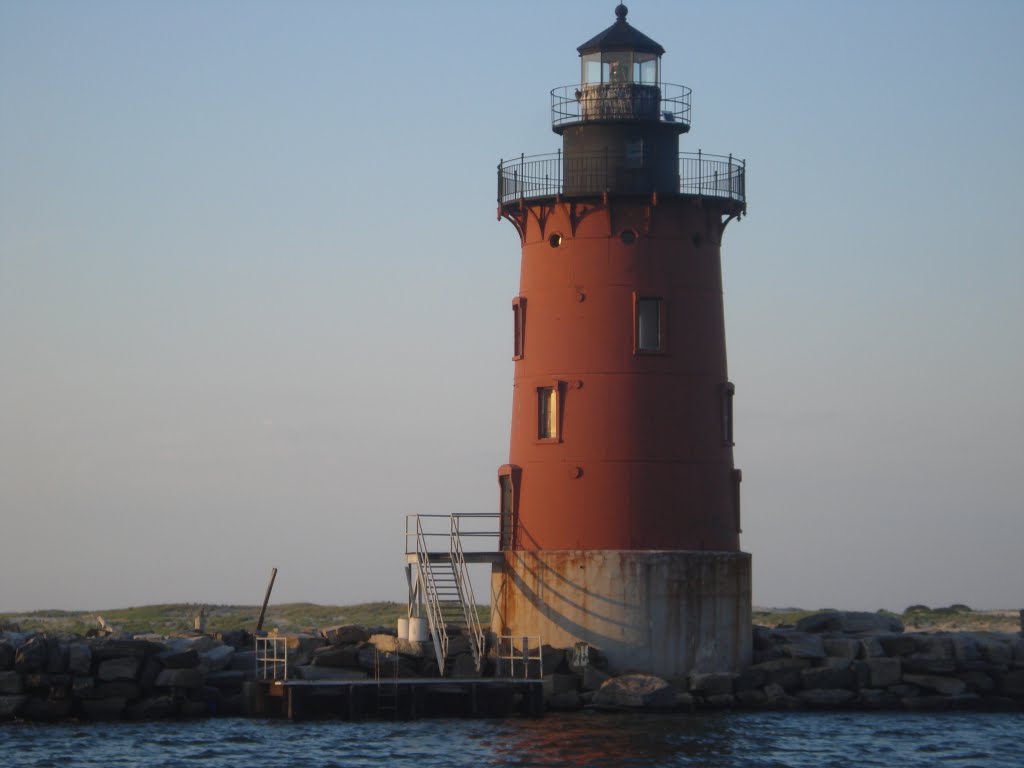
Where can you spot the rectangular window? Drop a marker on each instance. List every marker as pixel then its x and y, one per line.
pixel 519 329
pixel 728 390
pixel 648 325
pixel 547 413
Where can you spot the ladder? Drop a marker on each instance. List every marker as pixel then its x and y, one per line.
pixel 387 692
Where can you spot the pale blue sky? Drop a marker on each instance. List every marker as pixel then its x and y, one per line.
pixel 254 302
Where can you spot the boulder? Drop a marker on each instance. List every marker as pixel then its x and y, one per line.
pixel 842 647
pixel 870 698
pixel 117 689
pixel 180 678
pixel 11 683
pixel 6 656
pixel 336 656
pixel 925 664
pixel 965 647
pixel 564 701
pixel 244 660
pixel 826 698
pixel 79 658
pixel 114 649
pixel 31 655
pixel 752 697
pixel 1018 652
pixel 709 684
pixel 151 669
pixel 884 672
pixel 775 694
pixel 870 648
pixel 593 678
pixel 635 691
pixel 56 656
pixel 45 684
pixel 827 677
pixel 556 684
pixel 800 645
pixel 38 708
pixel 464 666
pixel 236 638
pixel 415 650
pixel 185 658
pixel 784 672
pixel 978 681
pixel 553 659
pixel 11 706
pixel 82 686
pixel 936 646
pixel 124 668
pixel 750 679
pixel 194 709
pixel 389 643
pixel 927 703
pixel 904 690
pixel 897 645
pixel 103 709
pixel 228 678
pixel 1012 683
pixel 152 708
pixel 217 658
pixel 946 686
pixel 200 643
pixel 849 622
pixel 348 634
pixel 996 651
pixel 719 701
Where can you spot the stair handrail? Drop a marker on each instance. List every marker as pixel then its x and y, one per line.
pixel 438 631
pixel 466 596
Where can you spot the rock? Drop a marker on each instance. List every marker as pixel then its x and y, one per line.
pixel 125 668
pixel 842 647
pixel 389 643
pixel 1012 683
pixel 82 686
pixel 464 666
pixel 228 678
pixel 1018 652
pixel 684 701
pixel 335 656
pixel 919 663
pixel 415 650
pixel 719 701
pixel 804 646
pixel 38 708
pixel 749 679
pixel 236 638
pixel 56 656
pixel 903 690
pixel 884 672
pixel 774 693
pixel 870 648
pixel 784 672
pixel 644 691
pixel 594 678
pixel 965 647
pixel 103 709
pixel 897 645
pixel 709 684
pixel 553 659
pixel 6 656
pixel 114 649
pixel 79 659
pixel 827 677
pixel 849 622
pixel 935 646
pixel 869 698
pixel 200 644
pixel 826 698
pixel 762 638
pixel 556 684
pixel 31 656
pixel 152 708
pixel 151 669
pixel 348 634
pixel 998 703
pixel 996 651
pixel 11 683
pixel 752 698
pixel 11 706
pixel 186 658
pixel 217 658
pixel 947 686
pixel 117 689
pixel 244 660
pixel 927 703
pixel 978 681
pixel 194 709
pixel 564 701
pixel 180 678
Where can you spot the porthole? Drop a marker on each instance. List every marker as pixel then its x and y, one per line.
pixel 628 236
pixel 555 240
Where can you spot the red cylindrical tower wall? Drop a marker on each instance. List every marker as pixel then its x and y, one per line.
pixel 642 458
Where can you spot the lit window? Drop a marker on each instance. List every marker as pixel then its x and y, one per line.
pixel 519 326
pixel 648 325
pixel 727 395
pixel 547 413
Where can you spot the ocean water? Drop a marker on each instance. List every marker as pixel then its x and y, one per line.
pixel 794 739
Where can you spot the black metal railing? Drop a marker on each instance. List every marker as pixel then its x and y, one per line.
pixel 667 103
pixel 700 174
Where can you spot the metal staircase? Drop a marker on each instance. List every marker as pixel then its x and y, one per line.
pixel 443 586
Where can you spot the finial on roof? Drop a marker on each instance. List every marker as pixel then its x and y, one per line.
pixel 620 12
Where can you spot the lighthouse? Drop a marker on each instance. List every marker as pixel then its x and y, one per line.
pixel 620 503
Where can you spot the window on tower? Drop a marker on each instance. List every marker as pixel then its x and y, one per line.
pixel 547 413
pixel 518 326
pixel 648 325
pixel 728 391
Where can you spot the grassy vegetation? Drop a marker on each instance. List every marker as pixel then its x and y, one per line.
pixel 173 618
pixel 916 618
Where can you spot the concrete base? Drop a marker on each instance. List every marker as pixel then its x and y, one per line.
pixel 664 613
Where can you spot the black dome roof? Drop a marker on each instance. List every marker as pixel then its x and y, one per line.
pixel 620 36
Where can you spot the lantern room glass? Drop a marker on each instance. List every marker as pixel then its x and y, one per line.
pixel 620 67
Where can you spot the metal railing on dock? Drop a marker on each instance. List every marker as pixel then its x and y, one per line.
pixel 271 658
pixel 519 657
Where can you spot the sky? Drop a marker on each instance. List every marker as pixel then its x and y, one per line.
pixel 254 297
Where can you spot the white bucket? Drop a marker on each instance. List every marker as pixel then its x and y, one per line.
pixel 403 629
pixel 418 630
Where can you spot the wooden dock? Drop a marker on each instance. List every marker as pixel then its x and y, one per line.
pixel 397 698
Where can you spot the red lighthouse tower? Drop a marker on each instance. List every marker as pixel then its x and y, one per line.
pixel 620 509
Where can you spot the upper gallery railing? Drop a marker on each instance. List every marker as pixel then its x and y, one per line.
pixel 666 103
pixel 528 177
